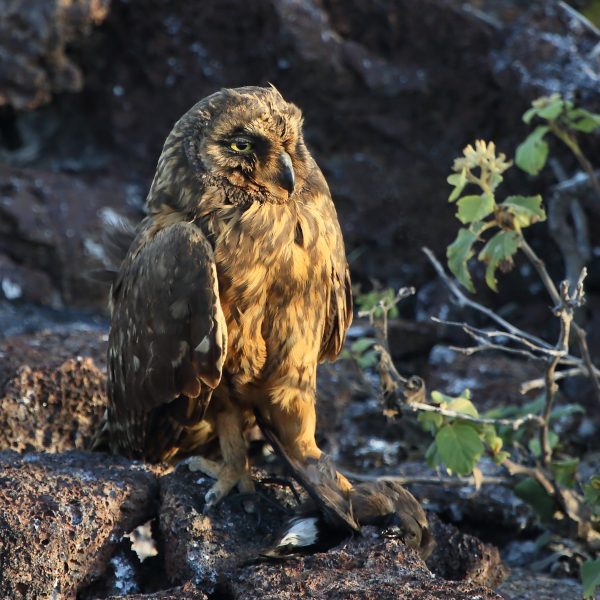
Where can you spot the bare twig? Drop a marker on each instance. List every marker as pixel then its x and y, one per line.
pixel 482 335
pixel 384 307
pixel 433 480
pixel 411 405
pixel 459 298
pixel 564 311
pixel 540 267
pixel 535 384
pixel 514 424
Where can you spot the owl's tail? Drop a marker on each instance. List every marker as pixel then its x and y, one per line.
pixel 117 236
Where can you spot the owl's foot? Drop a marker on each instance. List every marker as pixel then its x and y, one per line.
pixel 227 477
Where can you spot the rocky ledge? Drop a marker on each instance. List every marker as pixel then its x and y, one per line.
pixel 70 520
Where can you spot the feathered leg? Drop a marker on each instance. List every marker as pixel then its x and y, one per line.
pixel 235 469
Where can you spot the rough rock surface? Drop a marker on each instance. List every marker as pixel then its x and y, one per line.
pixel 185 592
pixel 524 585
pixel 51 236
pixel 459 556
pixel 34 63
pixel 365 568
pixel 63 516
pixel 52 390
pixel 206 548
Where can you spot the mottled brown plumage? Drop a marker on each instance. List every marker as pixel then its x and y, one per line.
pixel 332 512
pixel 234 288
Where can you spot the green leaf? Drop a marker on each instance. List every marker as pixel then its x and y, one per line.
pixel 501 247
pixel 565 471
pixel 463 405
pixel 529 114
pixel 500 457
pixel 592 493
pixel 474 208
pixel 368 359
pixel 432 456
pixel 459 447
pixel 590 577
pixel 526 209
pixel 552 109
pixel 532 153
pixel 492 439
pixel 362 344
pixel 440 398
pixel 536 496
pixel 495 180
pixel 458 180
pixel 535 447
pixel 583 120
pixel 458 254
pixel 430 421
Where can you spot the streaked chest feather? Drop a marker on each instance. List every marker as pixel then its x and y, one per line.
pixel 273 262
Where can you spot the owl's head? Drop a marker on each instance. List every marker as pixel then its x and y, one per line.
pixel 251 138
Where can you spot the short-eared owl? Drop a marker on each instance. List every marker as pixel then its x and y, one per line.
pixel 235 287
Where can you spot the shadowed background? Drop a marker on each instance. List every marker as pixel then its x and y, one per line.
pixel 391 91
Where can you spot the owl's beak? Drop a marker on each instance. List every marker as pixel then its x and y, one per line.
pixel 287 177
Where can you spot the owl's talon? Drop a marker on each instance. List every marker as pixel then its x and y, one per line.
pixel 211 499
pixel 250 506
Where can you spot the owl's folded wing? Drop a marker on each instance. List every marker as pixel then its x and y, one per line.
pixel 167 343
pixel 338 311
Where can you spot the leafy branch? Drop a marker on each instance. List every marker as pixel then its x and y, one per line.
pixel 481 167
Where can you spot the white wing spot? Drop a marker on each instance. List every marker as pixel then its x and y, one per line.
pixel 204 346
pixel 302 533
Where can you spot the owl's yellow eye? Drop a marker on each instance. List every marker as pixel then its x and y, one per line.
pixel 241 146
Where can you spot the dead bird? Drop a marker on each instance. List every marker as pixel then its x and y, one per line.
pixel 333 514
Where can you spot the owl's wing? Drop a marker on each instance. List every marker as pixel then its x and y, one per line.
pixel 167 342
pixel 339 305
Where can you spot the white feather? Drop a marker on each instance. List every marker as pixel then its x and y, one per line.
pixel 303 532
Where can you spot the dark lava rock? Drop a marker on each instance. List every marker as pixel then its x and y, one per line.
pixel 52 390
pixel 206 548
pixel 391 92
pixel 368 567
pixel 34 35
pixel 459 556
pixel 493 379
pixel 62 516
pixel 493 507
pixel 185 592
pixel 525 585
pixel 211 551
pixel 51 236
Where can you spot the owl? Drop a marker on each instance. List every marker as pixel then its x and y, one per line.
pixel 235 287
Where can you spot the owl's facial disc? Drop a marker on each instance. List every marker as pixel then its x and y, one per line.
pixel 258 163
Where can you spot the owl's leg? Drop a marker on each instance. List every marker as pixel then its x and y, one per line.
pixel 235 469
pixel 295 425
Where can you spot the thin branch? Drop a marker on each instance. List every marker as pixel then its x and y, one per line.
pixel 462 300
pixel 565 313
pixel 535 384
pixel 540 267
pixel 485 346
pixel 412 405
pixel 475 332
pixel 433 480
pixel 514 424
